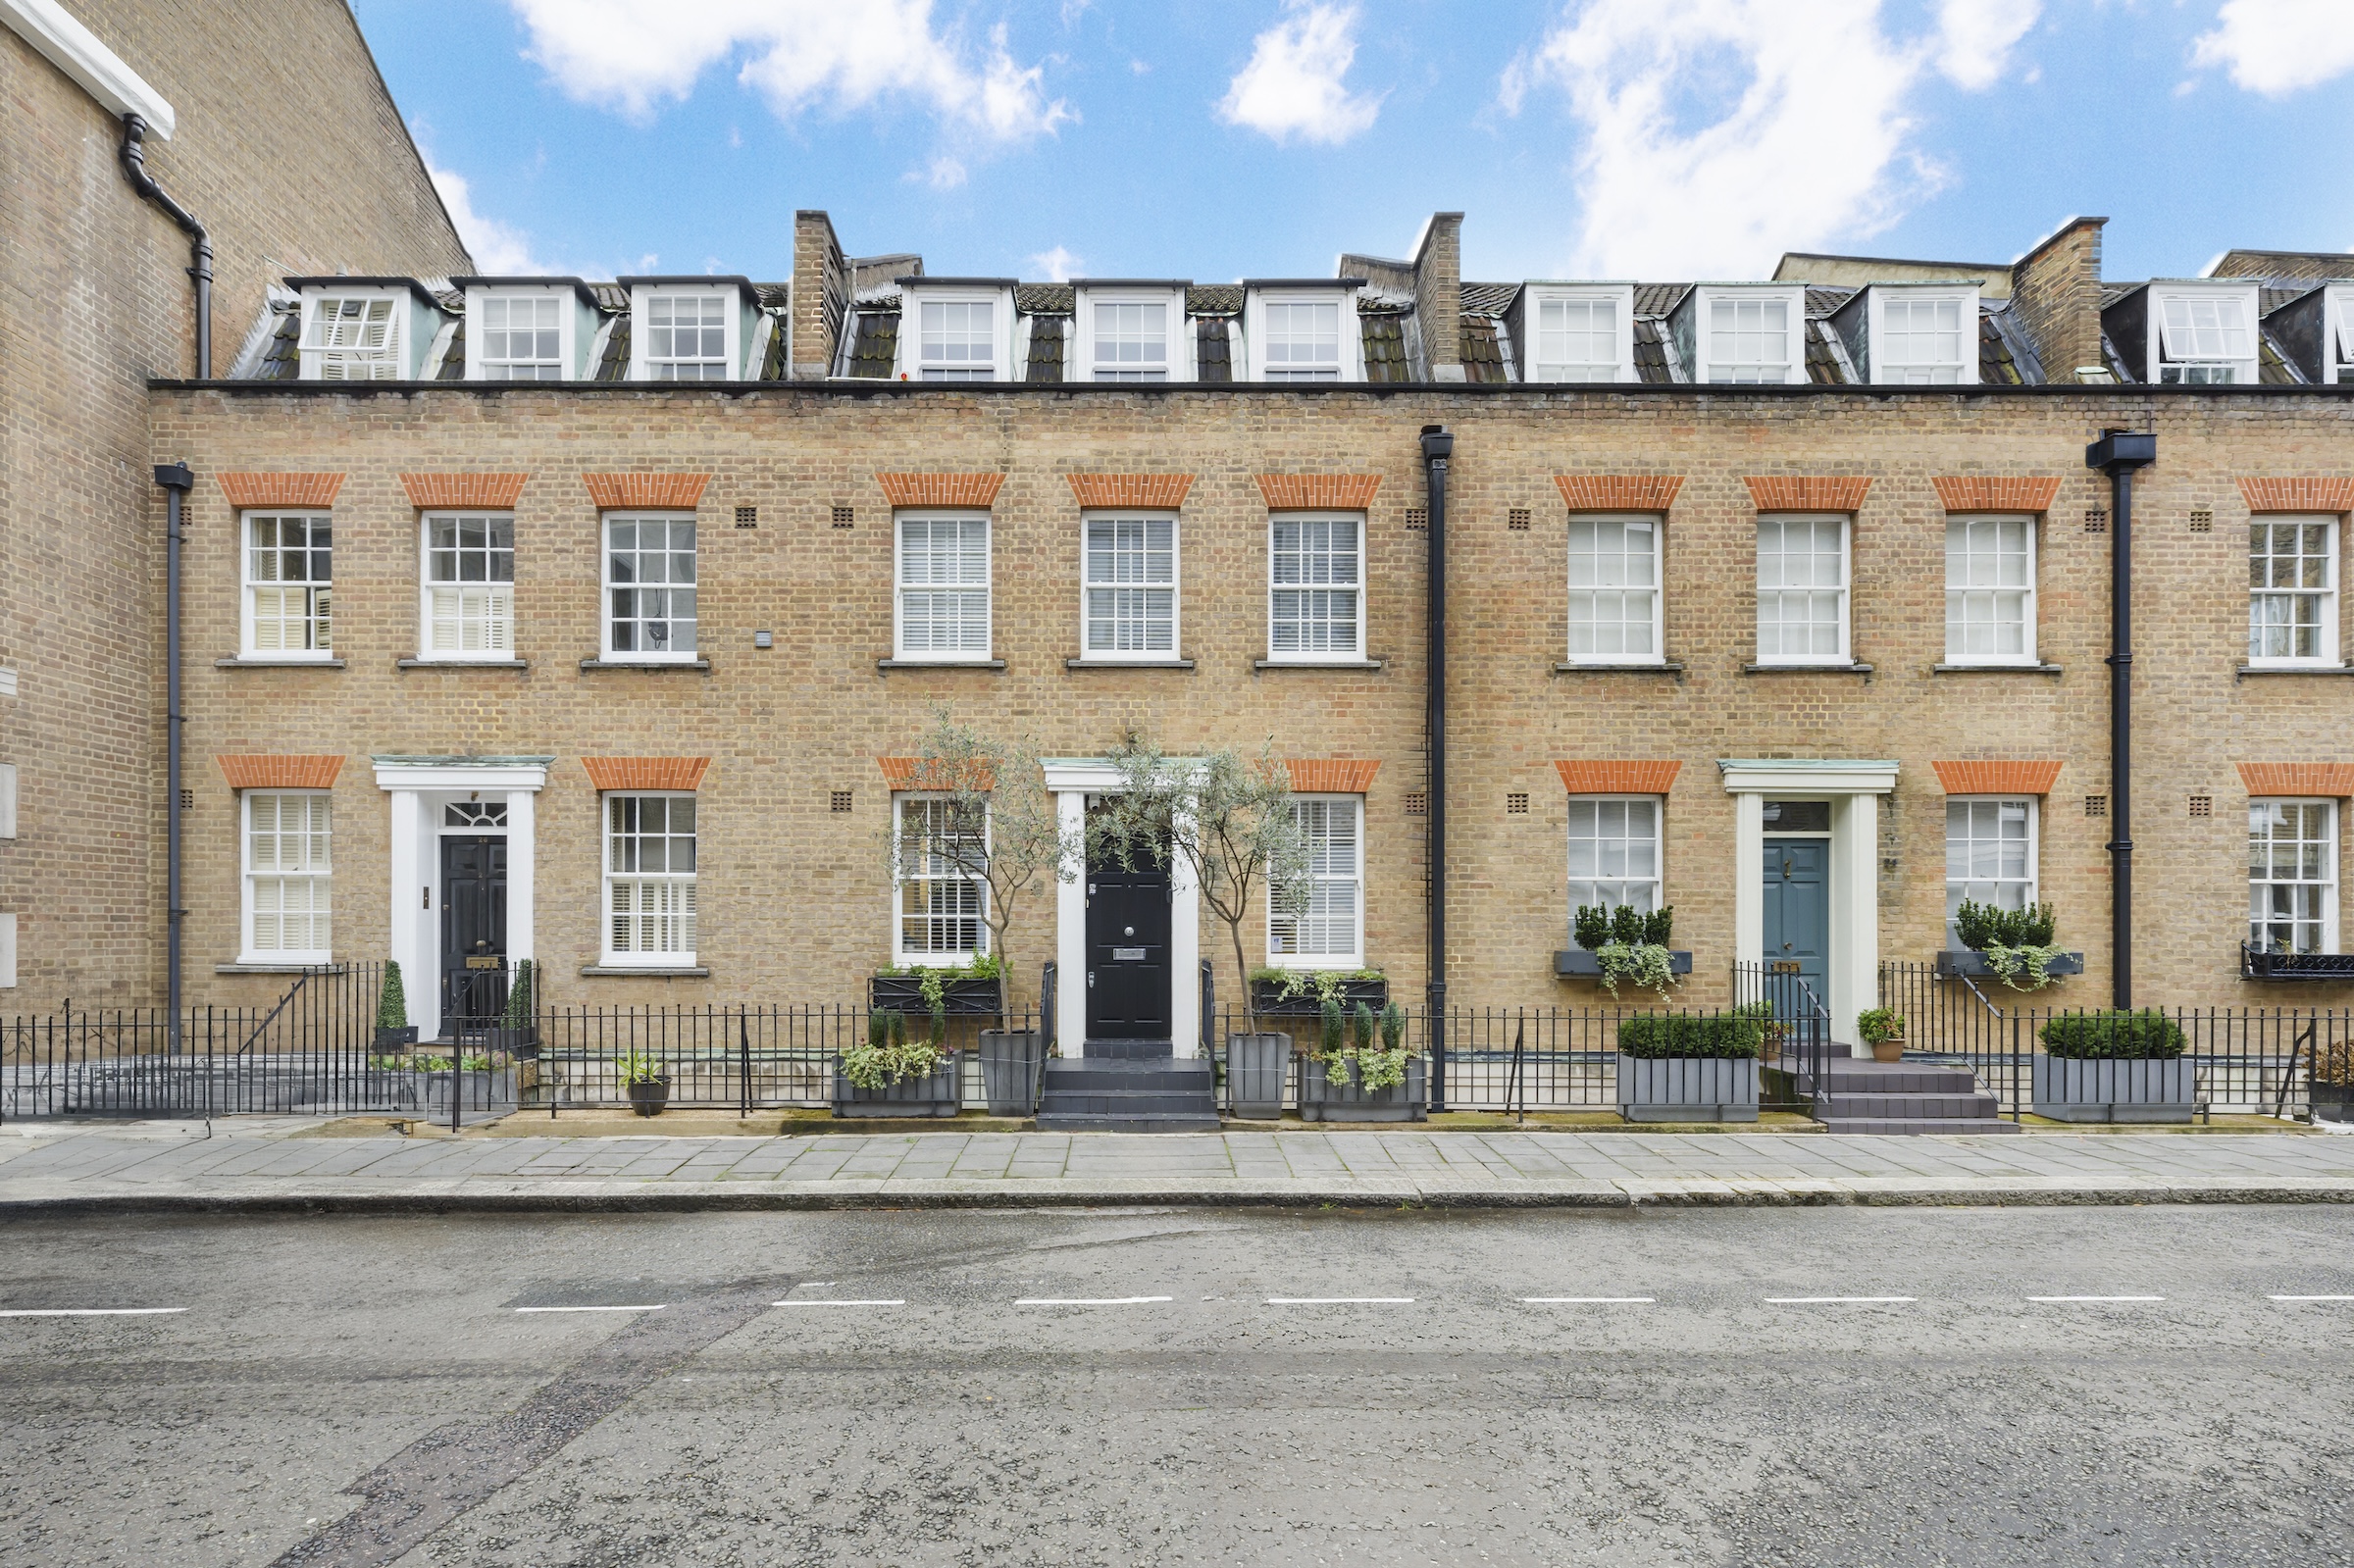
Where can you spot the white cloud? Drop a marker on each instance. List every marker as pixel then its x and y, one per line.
pixel 633 53
pixel 1292 86
pixel 500 249
pixel 1057 264
pixel 1718 135
pixel 2275 47
pixel 1974 38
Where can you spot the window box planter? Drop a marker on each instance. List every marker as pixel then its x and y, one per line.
pixel 1266 996
pixel 2070 1088
pixel 2257 965
pixel 1578 964
pixel 941 1094
pixel 1322 1101
pixel 965 998
pixel 1259 1068
pixel 647 1097
pixel 1688 1088
pixel 1012 1063
pixel 1958 961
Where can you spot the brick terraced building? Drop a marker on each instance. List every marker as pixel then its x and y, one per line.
pixel 1785 603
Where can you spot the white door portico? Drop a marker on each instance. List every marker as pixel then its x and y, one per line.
pixel 1071 780
pixel 422 788
pixel 1852 789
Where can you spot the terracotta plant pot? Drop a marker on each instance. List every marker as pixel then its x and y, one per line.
pixel 1891 1049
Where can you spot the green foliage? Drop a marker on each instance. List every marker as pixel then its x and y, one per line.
pixel 1590 927
pixel 1328 984
pixel 639 1067
pixel 1596 926
pixel 1658 927
pixel 1626 926
pixel 392 1002
pixel 1647 965
pixel 1876 1024
pixel 1371 1047
pixel 1651 1035
pixel 521 1011
pixel 1983 926
pixel 2115 1035
pixel 888 1056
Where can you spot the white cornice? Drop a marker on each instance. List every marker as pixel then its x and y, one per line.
pixel 461 773
pixel 1747 776
pixel 75 50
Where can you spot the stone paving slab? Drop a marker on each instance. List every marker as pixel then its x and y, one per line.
pixel 134 1167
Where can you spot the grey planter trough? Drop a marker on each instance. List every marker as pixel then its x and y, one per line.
pixel 1323 1101
pixel 1688 1088
pixel 1970 961
pixel 1011 1062
pixel 2070 1088
pixel 942 1093
pixel 1259 1068
pixel 1577 964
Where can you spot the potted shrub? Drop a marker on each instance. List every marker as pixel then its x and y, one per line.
pixel 1623 944
pixel 517 1032
pixel 1884 1032
pixel 2014 946
pixel 483 1080
pixel 2332 1096
pixel 892 1073
pixel 2115 1066
pixel 645 1080
pixel 1231 821
pixel 1682 1067
pixel 1362 1070
pixel 394 1030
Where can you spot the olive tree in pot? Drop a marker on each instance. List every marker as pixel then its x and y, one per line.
pixel 1231 823
pixel 993 824
pixel 394 1030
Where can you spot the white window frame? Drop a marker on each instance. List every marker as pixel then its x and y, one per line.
pixel 683 913
pixel 492 652
pixel 2034 880
pixel 2330 657
pixel 1002 326
pixel 607 587
pixel 320 619
pixel 940 958
pixel 1965 368
pixel 2337 333
pixel 1572 876
pixel 1354 957
pixel 2243 370
pixel 1177 364
pixel 1657 589
pixel 899 588
pixel 1702 310
pixel 1350 366
pixel 479 364
pixel 1845 590
pixel 1619 296
pixel 1954 655
pixel 1355 654
pixel 384 360
pixel 644 366
pixel 1089 586
pixel 2327 884
pixel 249 876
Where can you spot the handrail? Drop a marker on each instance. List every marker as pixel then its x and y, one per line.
pixel 272 1016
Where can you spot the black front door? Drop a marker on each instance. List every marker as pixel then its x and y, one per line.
pixel 473 931
pixel 1127 951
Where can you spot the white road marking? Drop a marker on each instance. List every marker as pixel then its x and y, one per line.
pixel 2313 1299
pixel 1838 1301
pixel 89 1312
pixel 1091 1301
pixel 645 1306
pixel 2096 1298
pixel 1339 1300
pixel 1590 1300
pixel 897 1300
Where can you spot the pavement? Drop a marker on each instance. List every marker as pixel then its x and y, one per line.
pixel 284 1165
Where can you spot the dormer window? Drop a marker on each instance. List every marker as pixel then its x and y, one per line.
pixel 690 329
pixel 1303 340
pixel 352 337
pixel 2205 337
pixel 1581 334
pixel 1736 336
pixel 521 339
pixel 2339 323
pixel 1128 332
pixel 1912 334
pixel 956 339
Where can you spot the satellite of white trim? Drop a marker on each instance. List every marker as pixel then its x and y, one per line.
pixel 75 50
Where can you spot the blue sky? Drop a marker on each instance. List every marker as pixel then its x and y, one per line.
pixel 1652 138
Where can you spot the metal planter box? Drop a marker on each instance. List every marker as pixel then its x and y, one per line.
pixel 939 1094
pixel 1956 961
pixel 1259 1068
pixel 1578 964
pixel 1322 1101
pixel 1266 996
pixel 904 994
pixel 2071 1089
pixel 1013 1062
pixel 2327 968
pixel 479 1089
pixel 1688 1088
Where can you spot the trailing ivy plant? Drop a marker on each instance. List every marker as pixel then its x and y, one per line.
pixel 1630 945
pixel 889 1055
pixel 2017 943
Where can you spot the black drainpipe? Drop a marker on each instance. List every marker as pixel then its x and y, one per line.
pixel 200 243
pixel 1437 447
pixel 177 481
pixel 2119 453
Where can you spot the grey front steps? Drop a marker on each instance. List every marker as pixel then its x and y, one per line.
pixel 1128 1087
pixel 1904 1097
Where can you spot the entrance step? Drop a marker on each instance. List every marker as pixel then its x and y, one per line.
pixel 1920 1127
pixel 1136 1087
pixel 1915 1098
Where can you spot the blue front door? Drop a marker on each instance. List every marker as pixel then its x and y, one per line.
pixel 1798 909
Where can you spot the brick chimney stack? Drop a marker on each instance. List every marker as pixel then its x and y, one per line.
pixel 821 295
pixel 2056 289
pixel 1439 295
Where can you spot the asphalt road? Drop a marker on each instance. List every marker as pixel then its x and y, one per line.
pixel 373 1391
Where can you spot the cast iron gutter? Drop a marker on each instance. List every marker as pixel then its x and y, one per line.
pixel 1438 447
pixel 200 243
pixel 177 481
pixel 2119 453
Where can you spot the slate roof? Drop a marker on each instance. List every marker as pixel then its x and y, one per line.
pixel 1488 299
pixel 1214 350
pixel 1032 298
pixel 1215 299
pixel 2306 267
pixel 874 344
pixel 1046 347
pixel 1651 354
pixel 614 364
pixel 1384 336
pixel 1483 361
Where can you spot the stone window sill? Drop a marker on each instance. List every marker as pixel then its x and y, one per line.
pixel 1356 664
pixel 461 664
pixel 1674 667
pixel 258 968
pixel 277 664
pixel 643 972
pixel 1127 664
pixel 886 666
pixel 646 665
pixel 1864 669
pixel 2247 670
pixel 1994 669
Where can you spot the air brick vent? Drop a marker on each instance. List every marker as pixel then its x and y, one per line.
pixel 1417 803
pixel 747 517
pixel 2202 805
pixel 2202 522
pixel 2096 805
pixel 1516 520
pixel 1515 804
pixel 1417 517
pixel 841 800
pixel 845 517
pixel 2096 520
